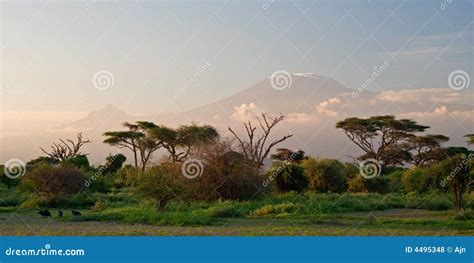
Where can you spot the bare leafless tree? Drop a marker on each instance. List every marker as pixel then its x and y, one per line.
pixel 256 147
pixel 66 149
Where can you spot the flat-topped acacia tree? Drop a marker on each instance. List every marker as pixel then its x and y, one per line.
pixel 179 142
pixel 126 139
pixel 144 138
pixel 424 150
pixel 137 139
pixel 378 135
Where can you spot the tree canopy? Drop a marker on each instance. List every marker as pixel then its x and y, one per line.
pixel 143 138
pixel 379 135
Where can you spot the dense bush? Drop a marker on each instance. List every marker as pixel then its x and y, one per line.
pixel 56 182
pixel 41 160
pixel 12 196
pixel 8 182
pixel 438 203
pixel 417 179
pixel 113 163
pixel 161 183
pixel 325 175
pixel 346 202
pixel 432 200
pixel 98 182
pixel 127 176
pixel 351 170
pixel 226 175
pixel 79 161
pixel 379 184
pixel 395 181
pixel 289 177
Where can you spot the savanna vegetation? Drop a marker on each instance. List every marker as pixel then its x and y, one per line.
pixel 404 183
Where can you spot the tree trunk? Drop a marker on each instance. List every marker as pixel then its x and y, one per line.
pixel 458 199
pixel 160 205
pixel 135 156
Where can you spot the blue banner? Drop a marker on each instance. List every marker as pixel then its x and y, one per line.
pixel 237 249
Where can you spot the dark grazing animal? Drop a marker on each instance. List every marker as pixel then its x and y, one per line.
pixel 75 213
pixel 45 213
pixel 60 213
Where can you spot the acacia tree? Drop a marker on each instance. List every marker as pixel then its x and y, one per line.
pixel 137 139
pixel 126 139
pixel 458 176
pixel 423 150
pixel 256 147
pixel 284 154
pixel 147 144
pixel 179 142
pixel 66 149
pixel 379 135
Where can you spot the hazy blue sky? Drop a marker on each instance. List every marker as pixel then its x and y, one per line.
pixel 52 49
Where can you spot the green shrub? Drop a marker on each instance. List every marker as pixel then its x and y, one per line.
pixel 349 202
pixel 12 196
pixel 395 181
pixel 465 215
pixel 224 210
pixel 289 177
pixel 226 175
pixel 438 203
pixel 99 205
pixel 6 181
pixel 113 163
pixel 275 209
pixel 379 184
pixel 145 213
pixel 414 200
pixel 162 183
pixel 127 176
pixel 417 179
pixel 35 202
pixel 56 182
pixel 351 170
pixel 325 175
pixel 99 182
pixel 79 161
pixel 356 185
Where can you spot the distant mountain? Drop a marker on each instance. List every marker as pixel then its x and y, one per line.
pixel 313 104
pixel 301 96
pixel 107 117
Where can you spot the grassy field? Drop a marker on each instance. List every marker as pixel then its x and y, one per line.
pixel 392 222
pixel 290 214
